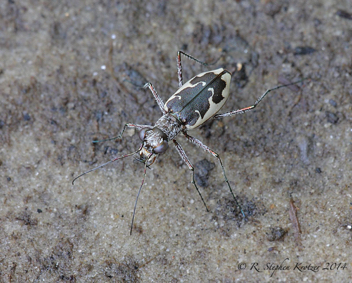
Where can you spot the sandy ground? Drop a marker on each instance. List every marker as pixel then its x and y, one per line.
pixel 69 72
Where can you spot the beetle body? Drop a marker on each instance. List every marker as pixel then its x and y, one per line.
pixel 191 105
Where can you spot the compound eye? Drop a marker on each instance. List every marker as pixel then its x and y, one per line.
pixel 142 133
pixel 161 148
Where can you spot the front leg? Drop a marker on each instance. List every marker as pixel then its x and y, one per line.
pixel 184 157
pixel 137 126
pixel 207 149
pixel 129 125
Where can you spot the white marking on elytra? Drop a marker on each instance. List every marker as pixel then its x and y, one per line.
pixel 214 107
pixel 175 95
pixel 188 84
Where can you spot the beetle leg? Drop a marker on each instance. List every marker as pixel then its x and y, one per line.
pixel 137 126
pixel 179 65
pixel 207 149
pixel 184 157
pixel 156 97
pixel 245 109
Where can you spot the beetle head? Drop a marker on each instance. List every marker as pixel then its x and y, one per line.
pixel 155 142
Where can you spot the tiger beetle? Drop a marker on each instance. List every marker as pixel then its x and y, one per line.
pixel 190 106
